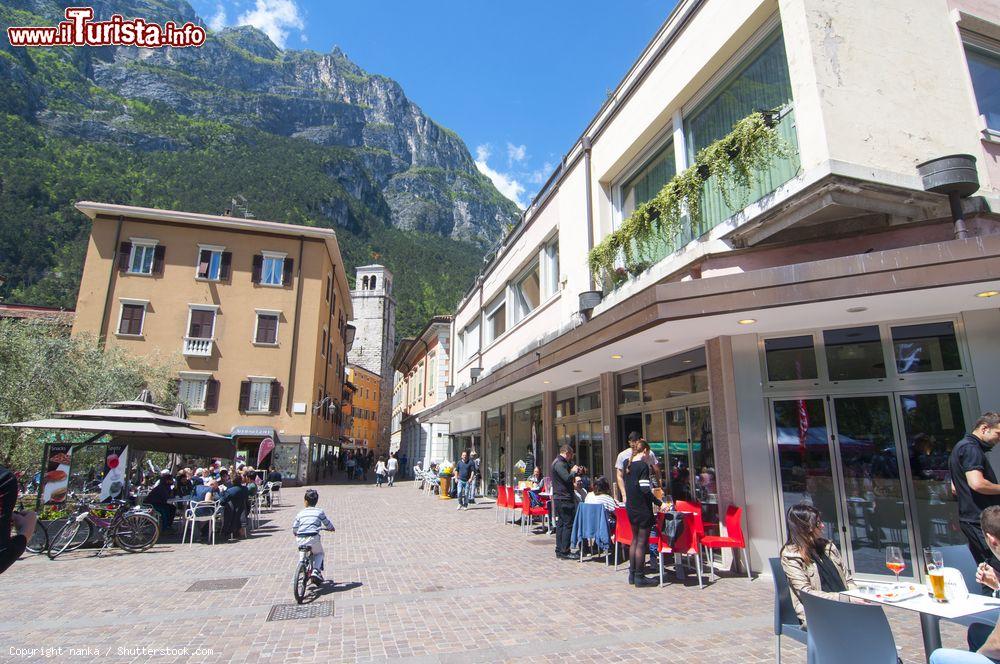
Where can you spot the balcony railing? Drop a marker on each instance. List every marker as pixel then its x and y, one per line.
pixel 197 346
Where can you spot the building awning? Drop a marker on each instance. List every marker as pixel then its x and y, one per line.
pixel 256 432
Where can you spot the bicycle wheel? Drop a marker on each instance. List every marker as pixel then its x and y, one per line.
pixel 137 532
pixel 39 542
pixel 70 537
pixel 300 580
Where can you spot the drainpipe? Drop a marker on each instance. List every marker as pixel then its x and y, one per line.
pixel 585 142
pixel 295 333
pixel 111 280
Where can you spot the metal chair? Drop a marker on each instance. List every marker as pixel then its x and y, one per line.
pixel 192 518
pixel 786 622
pixel 845 633
pixel 959 557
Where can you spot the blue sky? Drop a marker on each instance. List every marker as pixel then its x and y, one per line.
pixel 518 80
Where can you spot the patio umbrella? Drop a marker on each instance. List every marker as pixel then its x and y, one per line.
pixel 141 425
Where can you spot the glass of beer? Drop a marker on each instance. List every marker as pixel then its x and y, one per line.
pixel 936 579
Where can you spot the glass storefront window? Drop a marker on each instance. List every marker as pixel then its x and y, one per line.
pixel 854 353
pixel 675 376
pixel 527 442
pixel 790 358
pixel 494 449
pixel 565 403
pixel 926 347
pixel 628 387
pixel 589 397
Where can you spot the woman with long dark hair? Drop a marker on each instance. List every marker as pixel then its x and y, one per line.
pixel 811 562
pixel 639 501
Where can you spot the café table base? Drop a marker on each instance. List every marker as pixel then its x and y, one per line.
pixel 930 629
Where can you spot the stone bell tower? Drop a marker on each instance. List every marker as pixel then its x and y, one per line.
pixel 375 339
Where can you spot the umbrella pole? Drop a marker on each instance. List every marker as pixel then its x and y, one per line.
pixel 41 477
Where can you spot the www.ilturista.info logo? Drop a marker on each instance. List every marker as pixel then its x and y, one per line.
pixel 80 30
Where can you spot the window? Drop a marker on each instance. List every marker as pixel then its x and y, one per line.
pixel 790 358
pixel 566 402
pixel 589 397
pixel 132 315
pixel 201 323
pixel 984 68
pixel 527 291
pixel 213 263
pixel 272 271
pixel 496 319
pixel 675 376
pixel 267 328
pixel 550 269
pixel 323 346
pixel 854 353
pixel 628 387
pixel 142 258
pixel 431 372
pixel 420 381
pixel 644 185
pixel 260 396
pixel 469 342
pixel 760 82
pixel 192 391
pixel 926 347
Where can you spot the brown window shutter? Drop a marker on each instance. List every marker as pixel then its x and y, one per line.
pixel 204 258
pixel 258 265
pixel 124 253
pixel 212 395
pixel 275 397
pixel 267 328
pixel 225 265
pixel 244 396
pixel 158 253
pixel 202 322
pixel 286 277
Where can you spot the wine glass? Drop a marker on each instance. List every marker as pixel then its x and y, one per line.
pixel 894 560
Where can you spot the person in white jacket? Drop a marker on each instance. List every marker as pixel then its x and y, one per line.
pixel 391 466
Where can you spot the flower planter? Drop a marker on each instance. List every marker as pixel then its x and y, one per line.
pixel 590 299
pixel 955 173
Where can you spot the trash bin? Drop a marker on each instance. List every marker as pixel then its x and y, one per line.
pixel 445 483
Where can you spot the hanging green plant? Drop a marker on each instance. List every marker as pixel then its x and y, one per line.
pixel 735 161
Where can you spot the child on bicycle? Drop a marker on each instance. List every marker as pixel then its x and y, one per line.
pixel 306 528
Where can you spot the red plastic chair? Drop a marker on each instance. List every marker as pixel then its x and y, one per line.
pixel 528 511
pixel 501 504
pixel 689 542
pixel 733 539
pixel 623 531
pixel 513 504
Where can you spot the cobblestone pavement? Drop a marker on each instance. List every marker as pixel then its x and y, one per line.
pixel 415 581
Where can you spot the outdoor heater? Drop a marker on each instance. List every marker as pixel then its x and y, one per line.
pixel 955 176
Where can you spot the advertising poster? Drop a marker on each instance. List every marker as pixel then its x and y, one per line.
pixel 56 476
pixel 115 463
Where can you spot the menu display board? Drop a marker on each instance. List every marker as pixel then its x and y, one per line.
pixel 55 479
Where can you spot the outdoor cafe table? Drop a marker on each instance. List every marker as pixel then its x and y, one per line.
pixel 931 612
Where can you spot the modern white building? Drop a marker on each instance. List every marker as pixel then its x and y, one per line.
pixel 830 340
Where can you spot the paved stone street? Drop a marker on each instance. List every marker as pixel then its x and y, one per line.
pixel 416 581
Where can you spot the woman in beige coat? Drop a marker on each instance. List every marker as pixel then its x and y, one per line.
pixel 811 562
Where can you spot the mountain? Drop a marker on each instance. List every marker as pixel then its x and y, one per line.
pixel 295 136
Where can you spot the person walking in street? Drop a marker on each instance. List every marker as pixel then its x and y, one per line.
pixel 974 483
pixel 380 472
pixel 391 466
pixel 465 471
pixel 639 501
pixel 564 474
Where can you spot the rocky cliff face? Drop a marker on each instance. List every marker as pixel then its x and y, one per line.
pixel 388 155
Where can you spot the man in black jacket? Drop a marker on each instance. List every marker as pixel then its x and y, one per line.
pixel 563 474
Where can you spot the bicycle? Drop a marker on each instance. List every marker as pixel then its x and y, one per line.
pixel 131 529
pixel 303 572
pixel 39 542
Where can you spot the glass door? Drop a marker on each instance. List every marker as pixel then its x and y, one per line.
pixel 872 487
pixel 676 457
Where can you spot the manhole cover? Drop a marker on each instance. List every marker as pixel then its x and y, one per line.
pixel 299 611
pixel 217 584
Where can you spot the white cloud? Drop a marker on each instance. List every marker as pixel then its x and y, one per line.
pixel 274 17
pixel 218 20
pixel 539 176
pixel 516 153
pixel 505 183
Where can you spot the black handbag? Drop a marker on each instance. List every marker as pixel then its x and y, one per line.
pixel 673 526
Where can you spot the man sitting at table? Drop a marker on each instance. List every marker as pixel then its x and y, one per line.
pixel 983 639
pixel 157 499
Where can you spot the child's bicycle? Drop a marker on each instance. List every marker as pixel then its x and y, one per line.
pixel 303 573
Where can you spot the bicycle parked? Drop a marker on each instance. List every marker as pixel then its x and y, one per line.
pixel 131 529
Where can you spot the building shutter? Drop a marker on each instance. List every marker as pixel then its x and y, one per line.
pixel 275 397
pixel 244 396
pixel 202 321
pixel 286 277
pixel 204 259
pixel 258 265
pixel 158 253
pixel 267 329
pixel 124 253
pixel 212 395
pixel 225 265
